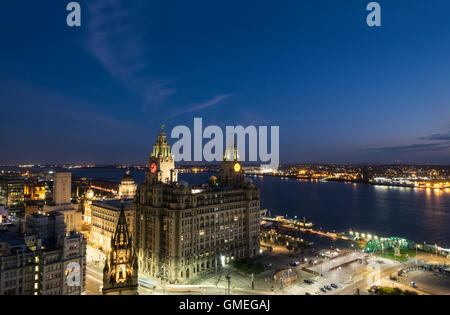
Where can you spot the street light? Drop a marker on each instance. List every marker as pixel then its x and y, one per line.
pixel 163 280
pixel 275 284
pixel 253 282
pixel 229 283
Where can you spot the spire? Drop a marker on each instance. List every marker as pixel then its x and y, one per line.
pixel 121 238
pixel 120 271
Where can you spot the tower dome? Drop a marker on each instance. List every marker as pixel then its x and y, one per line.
pixel 127 177
pixel 127 188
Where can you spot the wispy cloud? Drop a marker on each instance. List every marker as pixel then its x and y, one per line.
pixel 438 143
pixel 65 109
pixel 215 100
pixel 116 41
pixel 437 137
pixel 417 147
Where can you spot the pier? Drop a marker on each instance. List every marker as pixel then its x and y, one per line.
pixel 295 225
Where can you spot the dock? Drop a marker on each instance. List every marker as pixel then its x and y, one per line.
pixel 306 227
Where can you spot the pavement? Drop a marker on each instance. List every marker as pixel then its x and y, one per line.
pixel 350 271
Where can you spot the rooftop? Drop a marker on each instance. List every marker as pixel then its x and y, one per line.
pixel 114 204
pixel 11 238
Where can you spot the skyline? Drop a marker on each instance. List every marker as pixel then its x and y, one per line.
pixel 340 91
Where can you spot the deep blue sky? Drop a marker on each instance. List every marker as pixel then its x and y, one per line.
pixel 339 90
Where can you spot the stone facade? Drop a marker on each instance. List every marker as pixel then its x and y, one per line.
pixel 43 260
pixel 183 231
pixel 105 216
pixel 62 187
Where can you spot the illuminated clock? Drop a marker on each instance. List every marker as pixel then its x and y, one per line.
pixel 153 168
pixel 237 167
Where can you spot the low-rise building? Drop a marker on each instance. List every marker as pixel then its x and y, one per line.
pixel 38 258
pixel 12 195
pixel 104 216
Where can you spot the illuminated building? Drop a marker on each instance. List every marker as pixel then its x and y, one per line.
pixel 161 161
pixel 35 191
pixel 87 202
pixel 182 231
pixel 62 187
pixel 32 207
pixel 87 215
pixel 43 260
pixel 81 187
pixel 120 274
pixel 38 193
pixel 127 188
pixel 104 216
pixel 12 195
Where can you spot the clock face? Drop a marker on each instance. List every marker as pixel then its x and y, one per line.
pixel 237 167
pixel 153 168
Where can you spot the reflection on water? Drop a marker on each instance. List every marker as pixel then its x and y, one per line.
pixel 414 213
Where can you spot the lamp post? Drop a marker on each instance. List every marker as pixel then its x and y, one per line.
pixel 275 284
pixel 229 283
pixel 163 280
pixel 253 282
pixel 289 276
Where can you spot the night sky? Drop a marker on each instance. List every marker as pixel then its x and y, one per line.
pixel 339 90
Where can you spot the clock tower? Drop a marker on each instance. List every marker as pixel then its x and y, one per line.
pixel 161 162
pixel 231 171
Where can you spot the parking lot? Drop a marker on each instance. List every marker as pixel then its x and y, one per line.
pixel 430 281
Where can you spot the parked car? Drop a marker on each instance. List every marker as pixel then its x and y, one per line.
pixel 334 286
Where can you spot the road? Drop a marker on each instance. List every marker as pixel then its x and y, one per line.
pixel 363 284
pixel 94 281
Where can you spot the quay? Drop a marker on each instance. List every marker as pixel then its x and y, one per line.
pixel 281 223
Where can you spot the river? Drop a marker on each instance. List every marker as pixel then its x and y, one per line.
pixel 416 214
